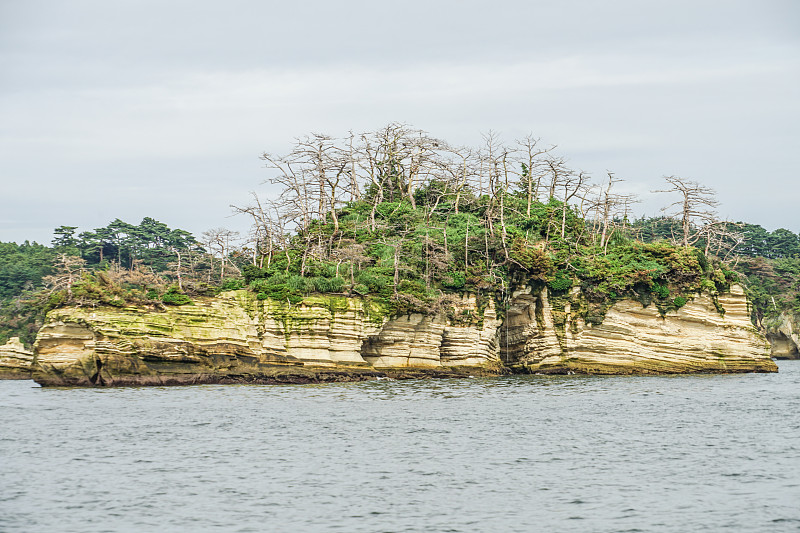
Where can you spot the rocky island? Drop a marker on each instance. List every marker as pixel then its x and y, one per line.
pixel 394 254
pixel 236 338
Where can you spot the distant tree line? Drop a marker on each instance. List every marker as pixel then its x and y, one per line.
pixel 768 263
pixel 151 242
pixel 120 264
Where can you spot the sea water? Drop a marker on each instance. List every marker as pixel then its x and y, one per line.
pixel 517 453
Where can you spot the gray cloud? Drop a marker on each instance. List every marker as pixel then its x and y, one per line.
pixel 133 109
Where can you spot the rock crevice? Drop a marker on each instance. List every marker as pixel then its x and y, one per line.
pixel 633 339
pixel 784 337
pixel 236 338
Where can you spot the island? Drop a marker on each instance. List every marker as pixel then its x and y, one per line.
pixel 394 254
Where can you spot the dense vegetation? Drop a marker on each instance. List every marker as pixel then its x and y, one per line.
pixel 399 216
pixel 147 264
pixel 22 270
pixel 416 257
pixel 767 264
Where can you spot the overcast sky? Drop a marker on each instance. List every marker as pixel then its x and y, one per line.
pixel 127 109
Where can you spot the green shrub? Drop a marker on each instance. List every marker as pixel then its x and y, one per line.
pixel 232 284
pixel 176 298
pixel 708 286
pixel 413 288
pixel 701 258
pixel 336 284
pixel 679 302
pixel 662 291
pixel 561 282
pixel 251 272
pixel 299 284
pixel 259 285
pixel 278 291
pixel 536 261
pixel 321 284
pixel 731 276
pixel 718 277
pixel 454 280
pixel 377 284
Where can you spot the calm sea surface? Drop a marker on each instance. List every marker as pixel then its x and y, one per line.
pixel 523 453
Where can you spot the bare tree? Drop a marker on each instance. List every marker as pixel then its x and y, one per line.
pixel 607 207
pixel 457 171
pixel 532 167
pixel 722 238
pixel 437 257
pixel 219 241
pixel 353 253
pixel 296 194
pixel 352 159
pixel 396 243
pixel 490 159
pixel 695 209
pixel 556 168
pixel 268 232
pixel 259 229
pixel 68 270
pixel 324 166
pixel 572 183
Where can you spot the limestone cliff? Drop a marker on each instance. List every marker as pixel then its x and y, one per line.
pixel 702 336
pixel 238 338
pixel 15 360
pixel 783 334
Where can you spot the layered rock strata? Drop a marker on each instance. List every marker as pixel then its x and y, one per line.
pixel 15 360
pixel 237 338
pixel 784 337
pixel 702 336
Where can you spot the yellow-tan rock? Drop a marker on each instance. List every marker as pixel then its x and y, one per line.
pixel 408 340
pixel 633 339
pixel 783 334
pixel 471 336
pixel 15 360
pixel 237 337
pixel 528 334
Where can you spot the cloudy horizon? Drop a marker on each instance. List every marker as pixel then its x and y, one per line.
pixel 143 109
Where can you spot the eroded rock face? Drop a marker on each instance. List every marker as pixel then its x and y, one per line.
pixel 784 337
pixel 528 335
pixel 470 342
pixel 15 360
pixel 236 338
pixel 637 339
pixel 239 338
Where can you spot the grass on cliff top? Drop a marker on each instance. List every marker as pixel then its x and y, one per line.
pixel 422 258
pixel 415 258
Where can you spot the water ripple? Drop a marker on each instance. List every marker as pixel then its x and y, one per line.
pixel 517 453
